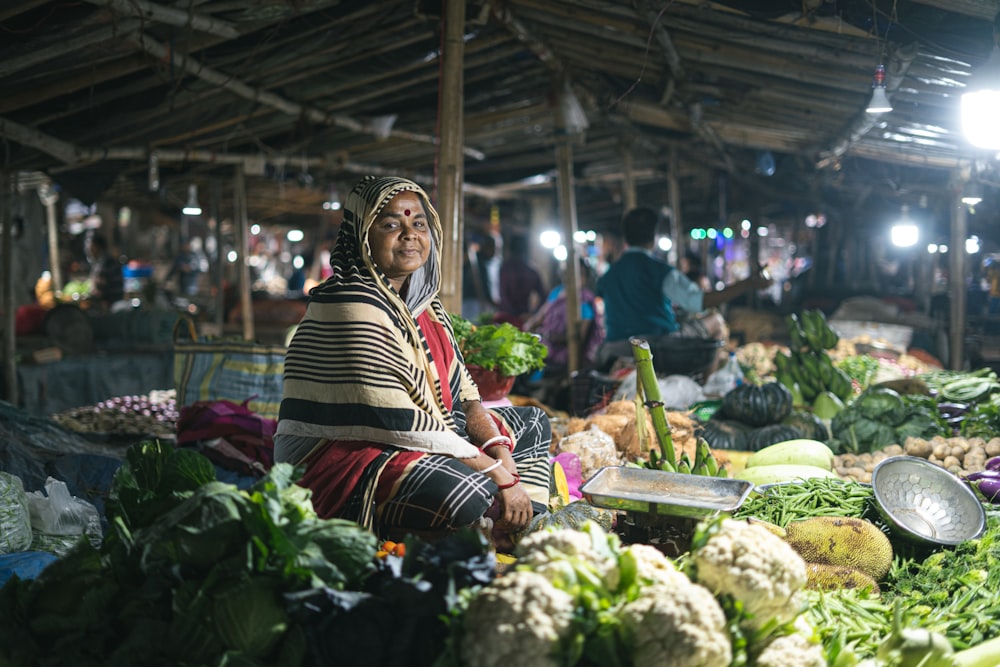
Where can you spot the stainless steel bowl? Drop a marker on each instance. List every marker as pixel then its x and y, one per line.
pixel 925 503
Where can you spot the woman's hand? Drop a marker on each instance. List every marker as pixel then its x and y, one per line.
pixel 515 508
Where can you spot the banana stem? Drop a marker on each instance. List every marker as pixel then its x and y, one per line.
pixel 654 401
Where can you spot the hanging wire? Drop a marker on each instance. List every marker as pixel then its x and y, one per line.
pixel 645 57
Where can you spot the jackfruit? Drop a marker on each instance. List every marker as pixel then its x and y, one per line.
pixel 843 541
pixel 822 577
pixel 774 528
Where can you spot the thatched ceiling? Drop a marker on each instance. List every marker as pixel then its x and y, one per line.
pixel 310 94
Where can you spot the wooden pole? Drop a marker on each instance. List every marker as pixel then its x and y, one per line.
pixel 7 280
pixel 452 170
pixel 567 209
pixel 628 184
pixel 674 184
pixel 243 244
pixel 219 261
pixel 956 281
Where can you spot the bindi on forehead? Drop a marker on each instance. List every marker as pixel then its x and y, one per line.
pixel 406 211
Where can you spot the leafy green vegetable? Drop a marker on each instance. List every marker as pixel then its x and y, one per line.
pixel 882 404
pixel 249 616
pixel 861 368
pixel 503 347
pixel 195 573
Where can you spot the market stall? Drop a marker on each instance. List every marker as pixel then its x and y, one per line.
pixel 813 534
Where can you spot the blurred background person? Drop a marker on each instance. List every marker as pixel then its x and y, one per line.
pixel 477 281
pixel 522 289
pixel 188 266
pixel 107 282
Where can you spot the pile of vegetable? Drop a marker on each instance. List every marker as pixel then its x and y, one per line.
pixel 755 416
pixel 193 571
pixel 580 597
pixel 501 347
pixel 946 599
pixel 880 417
pixel 153 414
pixel 808 370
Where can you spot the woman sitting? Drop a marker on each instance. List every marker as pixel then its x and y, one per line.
pixel 378 405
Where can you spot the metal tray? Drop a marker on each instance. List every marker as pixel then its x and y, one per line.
pixel 660 492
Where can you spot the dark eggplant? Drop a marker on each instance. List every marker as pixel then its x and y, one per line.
pixel 989 487
pixel 983 474
pixel 949 410
pixel 993 463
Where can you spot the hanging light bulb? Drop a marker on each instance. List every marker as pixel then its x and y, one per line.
pixel 904 233
pixel 981 101
pixel 192 207
pixel 879 102
pixel 972 194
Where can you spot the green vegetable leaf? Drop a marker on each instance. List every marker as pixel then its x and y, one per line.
pixel 499 346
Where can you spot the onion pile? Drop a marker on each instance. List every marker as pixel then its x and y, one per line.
pixel 148 414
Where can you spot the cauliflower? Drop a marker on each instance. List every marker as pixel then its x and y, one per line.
pixel 652 567
pixel 795 650
pixel 676 625
pixel 520 619
pixel 564 555
pixel 754 566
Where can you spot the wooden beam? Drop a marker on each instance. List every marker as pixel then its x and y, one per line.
pixel 150 11
pixel 267 98
pixel 20 8
pixel 87 79
pixel 67 46
pixel 980 9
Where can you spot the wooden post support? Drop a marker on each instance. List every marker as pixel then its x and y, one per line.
pixel 7 280
pixel 567 209
pixel 956 281
pixel 452 171
pixel 243 248
pixel 674 185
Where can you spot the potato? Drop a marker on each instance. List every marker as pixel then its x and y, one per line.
pixel 940 451
pixel 993 447
pixel 857 473
pixel 950 462
pixel 894 450
pixel 917 447
pixel 958 452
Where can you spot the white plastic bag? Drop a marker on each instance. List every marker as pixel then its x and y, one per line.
pixel 59 520
pixel 677 391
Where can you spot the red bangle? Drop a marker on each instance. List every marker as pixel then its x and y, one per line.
pixel 517 480
pixel 498 440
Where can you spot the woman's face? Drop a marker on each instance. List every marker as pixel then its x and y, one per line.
pixel 400 238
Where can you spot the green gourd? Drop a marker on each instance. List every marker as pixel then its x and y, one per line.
pixel 809 424
pixel 725 434
pixel 772 434
pixel 758 405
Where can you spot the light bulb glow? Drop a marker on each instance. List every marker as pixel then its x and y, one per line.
pixel 550 239
pixel 904 235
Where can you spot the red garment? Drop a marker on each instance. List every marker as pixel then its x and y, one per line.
pixel 333 470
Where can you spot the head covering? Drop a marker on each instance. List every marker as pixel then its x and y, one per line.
pixel 352 258
pixel 358 366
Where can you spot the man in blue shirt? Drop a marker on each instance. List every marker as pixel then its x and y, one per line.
pixel 642 294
